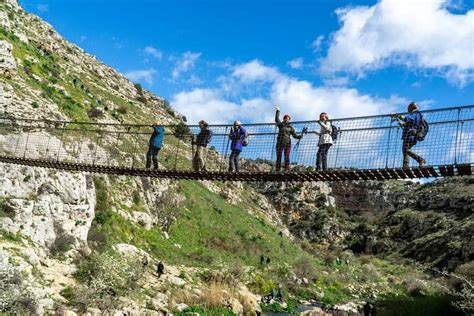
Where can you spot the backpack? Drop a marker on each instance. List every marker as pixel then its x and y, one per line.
pixel 335 131
pixel 422 129
pixel 245 141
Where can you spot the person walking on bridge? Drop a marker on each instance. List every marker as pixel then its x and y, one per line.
pixel 201 141
pixel 154 145
pixel 285 132
pixel 237 136
pixel 411 124
pixel 325 141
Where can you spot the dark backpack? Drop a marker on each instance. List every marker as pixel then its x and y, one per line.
pixel 335 131
pixel 422 129
pixel 245 141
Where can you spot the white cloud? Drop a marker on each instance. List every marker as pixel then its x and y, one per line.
pixel 146 75
pixel 149 50
pixel 185 63
pixel 298 97
pixel 317 43
pixel 296 63
pixel 255 71
pixel 204 104
pixel 418 34
pixel 41 7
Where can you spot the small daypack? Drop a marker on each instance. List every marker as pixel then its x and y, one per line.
pixel 245 141
pixel 422 129
pixel 335 131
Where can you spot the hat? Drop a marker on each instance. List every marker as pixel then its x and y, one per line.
pixel 413 104
pixel 238 123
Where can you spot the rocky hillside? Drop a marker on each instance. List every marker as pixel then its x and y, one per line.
pixel 432 223
pixel 44 76
pixel 76 242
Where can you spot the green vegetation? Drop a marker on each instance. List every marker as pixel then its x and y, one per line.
pixel 104 278
pixel 219 311
pixel 9 236
pixel 208 231
pixel 435 305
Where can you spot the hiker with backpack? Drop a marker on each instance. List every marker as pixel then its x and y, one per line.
pixel 154 145
pixel 201 141
pixel 415 129
pixel 325 141
pixel 239 138
pixel 285 132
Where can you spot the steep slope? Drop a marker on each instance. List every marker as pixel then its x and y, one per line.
pixel 44 76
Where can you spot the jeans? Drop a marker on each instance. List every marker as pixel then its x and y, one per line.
pixel 234 161
pixel 151 155
pixel 279 150
pixel 322 157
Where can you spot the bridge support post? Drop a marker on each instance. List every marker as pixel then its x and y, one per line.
pixel 388 143
pixel 456 140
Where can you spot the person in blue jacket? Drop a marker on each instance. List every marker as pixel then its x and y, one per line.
pixel 155 144
pixel 410 124
pixel 237 137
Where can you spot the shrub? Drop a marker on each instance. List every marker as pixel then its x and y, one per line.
pixel 182 131
pixel 61 244
pixel 122 109
pixel 95 113
pixel 304 268
pixel 105 278
pixel 15 296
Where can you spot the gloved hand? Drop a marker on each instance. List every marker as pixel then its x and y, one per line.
pixel 277 108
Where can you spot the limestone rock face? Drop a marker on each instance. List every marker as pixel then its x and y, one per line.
pixel 54 210
pixel 7 62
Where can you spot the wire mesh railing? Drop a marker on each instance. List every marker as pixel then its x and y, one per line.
pixel 371 142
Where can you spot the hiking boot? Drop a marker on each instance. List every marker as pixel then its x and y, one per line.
pixel 422 163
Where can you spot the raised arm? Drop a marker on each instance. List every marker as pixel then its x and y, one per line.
pixel 277 116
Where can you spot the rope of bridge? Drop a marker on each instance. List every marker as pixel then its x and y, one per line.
pixel 366 148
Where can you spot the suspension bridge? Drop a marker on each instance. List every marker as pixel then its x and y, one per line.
pixel 367 148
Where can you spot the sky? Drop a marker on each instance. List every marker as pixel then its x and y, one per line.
pixel 222 60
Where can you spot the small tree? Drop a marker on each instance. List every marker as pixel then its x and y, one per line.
pixel 182 131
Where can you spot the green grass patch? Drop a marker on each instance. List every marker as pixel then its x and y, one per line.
pixel 435 305
pixel 220 311
pixel 208 231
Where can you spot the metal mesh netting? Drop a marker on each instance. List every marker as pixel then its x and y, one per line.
pixel 371 142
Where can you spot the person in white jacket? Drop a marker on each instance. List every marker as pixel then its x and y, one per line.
pixel 325 142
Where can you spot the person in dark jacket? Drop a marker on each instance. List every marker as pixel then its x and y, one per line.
pixel 285 132
pixel 237 136
pixel 410 123
pixel 154 145
pixel 201 141
pixel 160 269
pixel 279 296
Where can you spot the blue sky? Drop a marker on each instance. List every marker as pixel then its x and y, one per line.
pixel 220 60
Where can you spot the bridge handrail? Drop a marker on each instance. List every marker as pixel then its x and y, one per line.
pixel 62 122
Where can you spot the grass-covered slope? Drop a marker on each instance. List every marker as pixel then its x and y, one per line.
pixel 208 231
